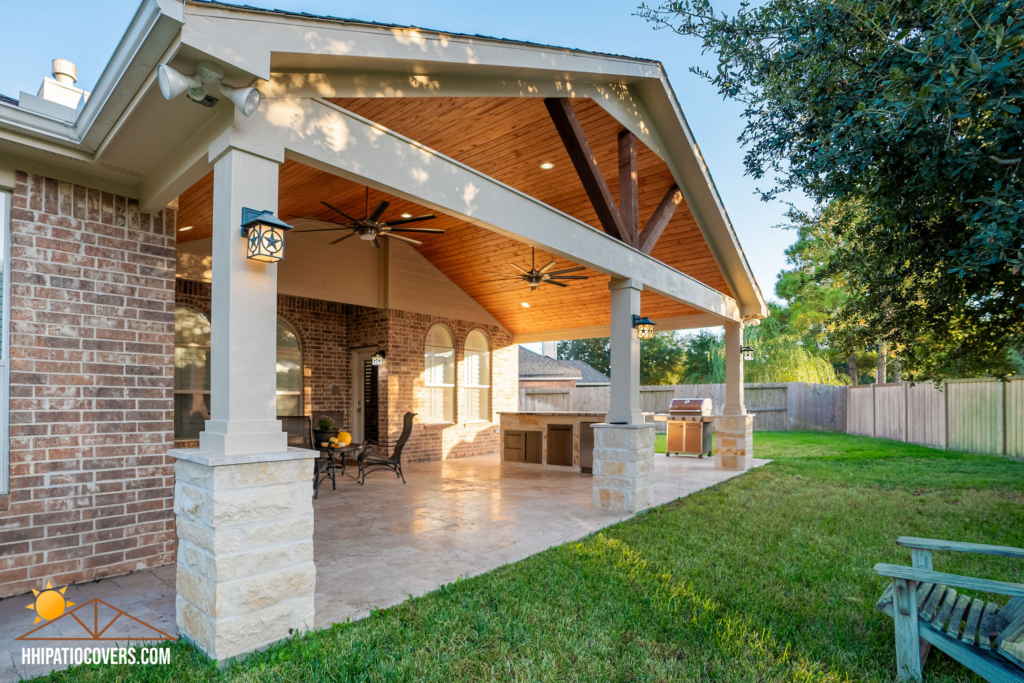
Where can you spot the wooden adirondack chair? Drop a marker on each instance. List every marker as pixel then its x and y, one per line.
pixel 985 638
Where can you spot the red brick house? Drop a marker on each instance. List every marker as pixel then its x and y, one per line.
pixel 146 346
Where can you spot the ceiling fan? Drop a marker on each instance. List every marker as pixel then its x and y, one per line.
pixel 536 277
pixel 371 227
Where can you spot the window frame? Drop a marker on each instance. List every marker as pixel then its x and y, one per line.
pixel 5 347
pixel 301 354
pixel 448 389
pixel 469 388
pixel 191 392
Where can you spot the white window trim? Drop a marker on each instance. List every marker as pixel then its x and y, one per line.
pixel 5 365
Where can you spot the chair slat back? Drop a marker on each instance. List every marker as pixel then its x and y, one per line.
pixel 299 429
pixel 406 433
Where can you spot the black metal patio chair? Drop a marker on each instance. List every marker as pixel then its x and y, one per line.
pixel 370 459
pixel 299 429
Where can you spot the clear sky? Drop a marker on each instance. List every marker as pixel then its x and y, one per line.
pixel 87 32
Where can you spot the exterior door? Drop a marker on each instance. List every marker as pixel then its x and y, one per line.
pixel 360 386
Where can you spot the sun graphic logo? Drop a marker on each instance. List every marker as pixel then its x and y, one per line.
pixel 50 603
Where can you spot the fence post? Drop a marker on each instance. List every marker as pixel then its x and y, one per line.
pixel 874 412
pixel 1006 417
pixel 945 406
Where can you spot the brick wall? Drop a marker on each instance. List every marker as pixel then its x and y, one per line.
pixel 405 367
pixel 329 331
pixel 92 344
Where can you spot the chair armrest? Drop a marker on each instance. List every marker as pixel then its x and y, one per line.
pixel 896 571
pixel 932 544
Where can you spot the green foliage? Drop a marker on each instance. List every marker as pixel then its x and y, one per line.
pixel 325 424
pixel 594 352
pixel 908 112
pixel 705 359
pixel 780 355
pixel 661 358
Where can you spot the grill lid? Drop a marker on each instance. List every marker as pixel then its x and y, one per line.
pixel 690 406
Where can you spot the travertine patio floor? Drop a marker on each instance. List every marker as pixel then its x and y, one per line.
pixel 375 545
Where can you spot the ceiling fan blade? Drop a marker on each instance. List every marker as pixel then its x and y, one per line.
pixel 319 220
pixel 545 268
pixel 568 277
pixel 403 239
pixel 414 219
pixel 337 210
pixel 379 211
pixel 567 270
pixel 376 243
pixel 552 282
pixel 341 239
pixel 521 270
pixel 425 231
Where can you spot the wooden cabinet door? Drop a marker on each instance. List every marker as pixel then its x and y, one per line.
pixel 515 448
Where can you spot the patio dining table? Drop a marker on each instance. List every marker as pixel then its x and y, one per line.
pixel 327 464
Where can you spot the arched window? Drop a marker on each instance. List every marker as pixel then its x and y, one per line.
pixel 289 370
pixel 439 356
pixel 191 372
pixel 478 377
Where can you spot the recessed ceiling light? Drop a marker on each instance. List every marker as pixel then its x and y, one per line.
pixel 406 215
pixel 187 227
pixel 547 166
pixel 525 304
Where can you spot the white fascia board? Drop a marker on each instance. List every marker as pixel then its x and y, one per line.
pixel 337 141
pixel 683 322
pixel 246 38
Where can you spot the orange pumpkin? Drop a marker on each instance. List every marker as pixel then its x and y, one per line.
pixel 344 438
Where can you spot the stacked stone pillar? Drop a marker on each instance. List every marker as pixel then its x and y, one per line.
pixel 623 467
pixel 245 550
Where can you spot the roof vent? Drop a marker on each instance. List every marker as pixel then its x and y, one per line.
pixel 65 72
pixel 57 97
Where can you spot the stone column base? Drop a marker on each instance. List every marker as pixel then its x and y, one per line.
pixel 734 442
pixel 623 467
pixel 245 549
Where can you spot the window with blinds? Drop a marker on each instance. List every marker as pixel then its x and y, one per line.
pixel 477 389
pixel 439 376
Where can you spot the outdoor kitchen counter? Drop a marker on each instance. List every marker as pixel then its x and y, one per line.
pixel 559 440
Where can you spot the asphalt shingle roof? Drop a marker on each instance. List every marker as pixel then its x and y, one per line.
pixel 535 366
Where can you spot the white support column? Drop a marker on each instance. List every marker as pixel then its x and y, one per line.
pixel 625 353
pixel 734 404
pixel 734 428
pixel 243 499
pixel 243 383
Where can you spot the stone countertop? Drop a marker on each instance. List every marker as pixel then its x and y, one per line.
pixel 555 413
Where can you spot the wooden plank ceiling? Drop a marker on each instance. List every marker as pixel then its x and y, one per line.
pixel 508 139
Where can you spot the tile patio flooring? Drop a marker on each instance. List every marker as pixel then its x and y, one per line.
pixel 378 544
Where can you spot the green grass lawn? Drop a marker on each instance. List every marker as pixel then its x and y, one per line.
pixel 766 577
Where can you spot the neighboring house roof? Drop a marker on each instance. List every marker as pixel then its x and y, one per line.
pixel 590 375
pixel 534 366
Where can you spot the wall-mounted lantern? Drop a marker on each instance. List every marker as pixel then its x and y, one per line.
pixel 748 353
pixel 378 358
pixel 264 234
pixel 644 327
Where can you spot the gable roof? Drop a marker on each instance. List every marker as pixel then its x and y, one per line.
pixel 113 142
pixel 534 366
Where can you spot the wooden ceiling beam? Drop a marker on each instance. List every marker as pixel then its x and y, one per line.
pixel 629 205
pixel 662 215
pixel 582 157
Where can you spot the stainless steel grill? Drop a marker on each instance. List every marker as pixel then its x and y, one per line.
pixel 689 427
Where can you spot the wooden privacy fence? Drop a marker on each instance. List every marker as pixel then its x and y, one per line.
pixel 779 407
pixel 977 415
